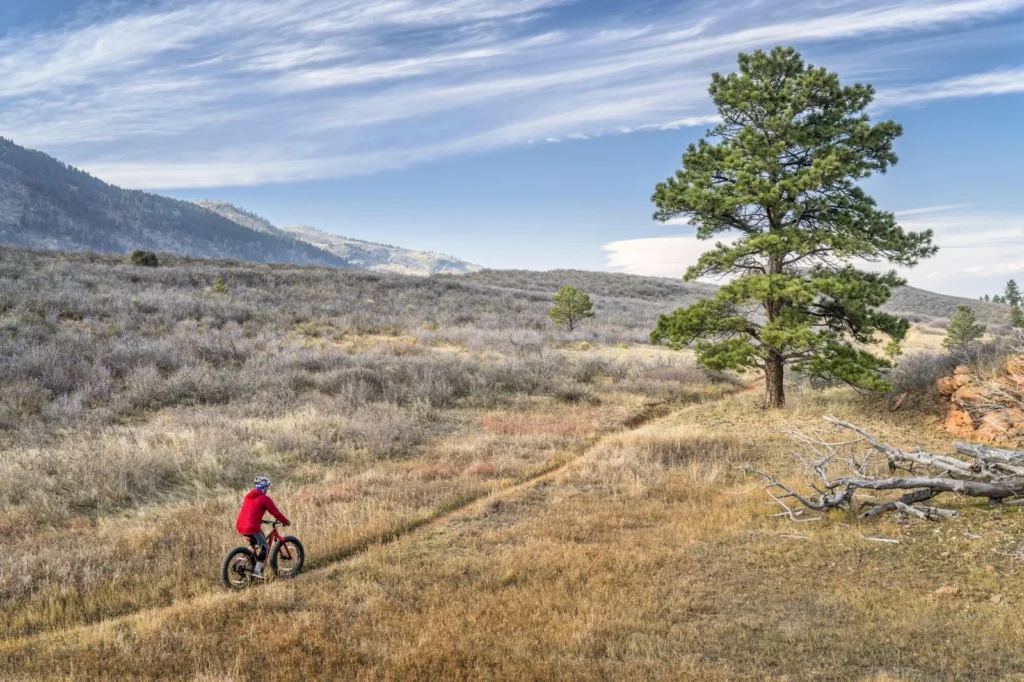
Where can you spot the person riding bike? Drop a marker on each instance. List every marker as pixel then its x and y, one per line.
pixel 250 518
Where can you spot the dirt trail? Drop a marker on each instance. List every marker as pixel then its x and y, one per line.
pixel 460 508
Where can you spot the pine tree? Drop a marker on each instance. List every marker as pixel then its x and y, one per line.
pixel 1012 294
pixel 963 329
pixel 781 173
pixel 571 306
pixel 893 350
pixel 1016 317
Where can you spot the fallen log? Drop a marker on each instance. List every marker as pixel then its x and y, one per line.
pixel 1009 461
pixel 995 474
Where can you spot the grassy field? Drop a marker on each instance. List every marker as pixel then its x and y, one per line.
pixel 634 561
pixel 480 496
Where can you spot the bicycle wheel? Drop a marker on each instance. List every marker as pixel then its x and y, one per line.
pixel 287 557
pixel 238 566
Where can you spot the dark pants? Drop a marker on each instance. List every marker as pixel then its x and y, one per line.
pixel 259 541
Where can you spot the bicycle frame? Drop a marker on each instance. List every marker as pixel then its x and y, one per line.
pixel 275 536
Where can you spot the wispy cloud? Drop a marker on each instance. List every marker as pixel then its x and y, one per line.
pixel 188 93
pixel 1000 82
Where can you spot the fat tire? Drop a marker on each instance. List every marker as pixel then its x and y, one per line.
pixel 225 568
pixel 300 559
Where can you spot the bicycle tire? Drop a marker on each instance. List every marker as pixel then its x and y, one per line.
pixel 229 575
pixel 299 559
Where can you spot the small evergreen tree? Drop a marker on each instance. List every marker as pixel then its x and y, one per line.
pixel 571 306
pixel 963 329
pixel 893 350
pixel 1017 317
pixel 1012 294
pixel 985 297
pixel 220 286
pixel 997 299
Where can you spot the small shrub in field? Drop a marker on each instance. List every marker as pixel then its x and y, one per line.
pixel 574 394
pixel 588 370
pixel 146 259
pixel 685 373
pixel 384 430
pixel 220 286
pixel 918 372
pixel 986 358
pixel 26 398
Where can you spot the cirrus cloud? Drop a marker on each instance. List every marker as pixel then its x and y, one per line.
pixel 189 93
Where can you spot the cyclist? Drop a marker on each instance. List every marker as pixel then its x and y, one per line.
pixel 250 517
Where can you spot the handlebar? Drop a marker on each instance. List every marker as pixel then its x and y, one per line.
pixel 275 523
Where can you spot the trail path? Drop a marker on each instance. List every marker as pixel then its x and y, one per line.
pixel 466 507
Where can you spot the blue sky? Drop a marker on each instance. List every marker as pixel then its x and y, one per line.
pixel 512 133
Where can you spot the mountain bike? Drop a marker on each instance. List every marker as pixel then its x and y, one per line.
pixel 285 559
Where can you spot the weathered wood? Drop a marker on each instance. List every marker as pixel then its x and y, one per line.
pixel 993 491
pixel 909 498
pixel 926 513
pixel 996 474
pixel 989 453
pixel 1008 462
pixel 896 455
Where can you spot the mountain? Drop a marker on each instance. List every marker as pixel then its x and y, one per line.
pixel 356 253
pixel 239 216
pixel 373 256
pixel 46 204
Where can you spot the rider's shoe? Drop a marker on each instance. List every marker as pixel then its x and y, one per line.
pixel 258 571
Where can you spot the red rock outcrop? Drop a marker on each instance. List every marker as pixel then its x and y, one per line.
pixel 986 410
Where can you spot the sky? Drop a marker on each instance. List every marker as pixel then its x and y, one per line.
pixel 511 133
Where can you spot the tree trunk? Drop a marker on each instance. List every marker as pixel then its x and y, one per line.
pixel 774 363
pixel 774 373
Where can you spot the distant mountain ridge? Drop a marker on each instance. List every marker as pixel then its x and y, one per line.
pixel 357 253
pixel 46 204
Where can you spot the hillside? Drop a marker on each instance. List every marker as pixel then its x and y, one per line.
pixel 46 204
pixel 911 301
pixel 918 304
pixel 356 253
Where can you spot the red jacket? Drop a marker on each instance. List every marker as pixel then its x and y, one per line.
pixel 253 507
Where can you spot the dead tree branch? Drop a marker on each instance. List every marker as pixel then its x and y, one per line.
pixel 992 473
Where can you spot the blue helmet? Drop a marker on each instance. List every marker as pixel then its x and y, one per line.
pixel 261 483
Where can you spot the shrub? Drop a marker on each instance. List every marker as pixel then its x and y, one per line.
pixel 146 259
pixel 917 372
pixel 384 430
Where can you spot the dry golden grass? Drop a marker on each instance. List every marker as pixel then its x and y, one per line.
pixel 94 569
pixel 636 561
pixel 924 338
